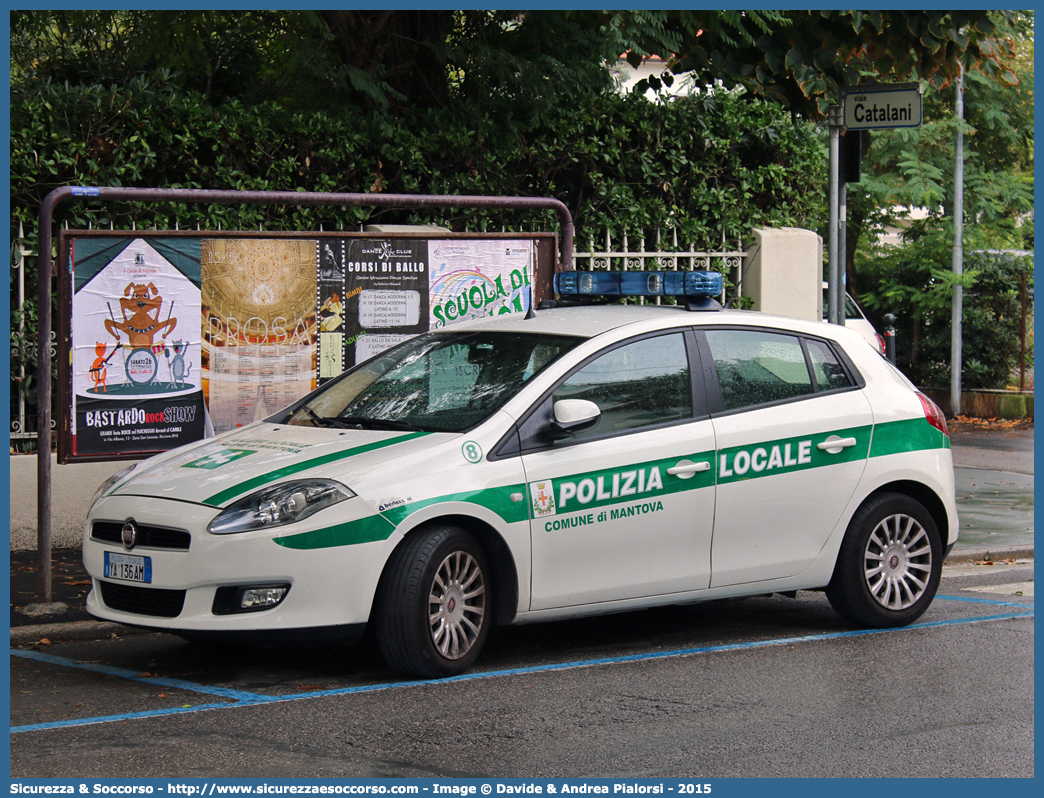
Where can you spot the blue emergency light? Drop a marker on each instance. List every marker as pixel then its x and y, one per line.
pixel 696 287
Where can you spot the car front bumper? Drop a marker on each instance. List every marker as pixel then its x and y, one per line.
pixel 330 589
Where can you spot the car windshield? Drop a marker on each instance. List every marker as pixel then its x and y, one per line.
pixel 436 382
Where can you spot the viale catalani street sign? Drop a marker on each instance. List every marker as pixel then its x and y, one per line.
pixel 880 106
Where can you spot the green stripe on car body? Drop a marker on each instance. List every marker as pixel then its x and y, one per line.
pixel 294 468
pixel 364 530
pixel 761 459
pixel 764 459
pixel 627 483
pixel 380 527
pixel 497 500
pixel 908 435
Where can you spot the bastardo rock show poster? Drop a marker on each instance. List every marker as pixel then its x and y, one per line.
pixel 136 346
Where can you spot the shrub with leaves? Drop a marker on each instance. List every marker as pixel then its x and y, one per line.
pixel 915 282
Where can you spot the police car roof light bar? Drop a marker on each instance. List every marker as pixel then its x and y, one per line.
pixel 695 288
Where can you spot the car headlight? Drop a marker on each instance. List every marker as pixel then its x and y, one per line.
pixel 286 503
pixel 119 476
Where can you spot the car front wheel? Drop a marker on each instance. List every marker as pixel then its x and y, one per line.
pixel 434 604
pixel 889 565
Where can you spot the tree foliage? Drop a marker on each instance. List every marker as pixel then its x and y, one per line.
pixel 413 60
pixel 802 59
pixel 701 164
pixel 502 103
pixel 914 168
pixel 513 65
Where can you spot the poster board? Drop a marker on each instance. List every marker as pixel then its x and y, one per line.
pixel 166 337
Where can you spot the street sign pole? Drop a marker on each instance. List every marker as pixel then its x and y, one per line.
pixel 873 106
pixel 956 331
pixel 833 272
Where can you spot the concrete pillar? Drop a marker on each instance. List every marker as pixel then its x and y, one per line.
pixel 72 488
pixel 783 273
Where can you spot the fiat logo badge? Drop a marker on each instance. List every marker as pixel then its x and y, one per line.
pixel 129 535
pixel 893 560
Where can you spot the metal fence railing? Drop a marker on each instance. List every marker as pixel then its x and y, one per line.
pixel 23 350
pixel 639 252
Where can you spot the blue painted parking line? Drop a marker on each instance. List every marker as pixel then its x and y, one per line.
pixel 152 713
pixel 240 698
pixel 123 673
pixel 994 602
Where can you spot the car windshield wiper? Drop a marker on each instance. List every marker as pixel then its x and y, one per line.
pixel 376 423
pixel 324 421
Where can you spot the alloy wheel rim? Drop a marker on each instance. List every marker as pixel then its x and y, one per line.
pixel 456 605
pixel 898 562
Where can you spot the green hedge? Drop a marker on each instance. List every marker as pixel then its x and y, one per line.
pixel 700 164
pixel 915 283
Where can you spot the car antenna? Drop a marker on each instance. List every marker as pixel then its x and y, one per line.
pixel 531 313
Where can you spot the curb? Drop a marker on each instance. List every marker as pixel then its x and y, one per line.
pixel 98 630
pixel 965 556
pixel 72 630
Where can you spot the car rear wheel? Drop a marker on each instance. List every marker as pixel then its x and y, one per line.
pixel 889 565
pixel 434 604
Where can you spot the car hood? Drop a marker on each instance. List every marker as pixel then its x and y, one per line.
pixel 219 470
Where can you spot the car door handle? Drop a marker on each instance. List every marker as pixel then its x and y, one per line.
pixel 687 468
pixel 834 444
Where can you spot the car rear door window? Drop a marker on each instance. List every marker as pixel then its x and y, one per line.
pixel 757 366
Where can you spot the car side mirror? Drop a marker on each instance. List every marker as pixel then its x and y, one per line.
pixel 573 416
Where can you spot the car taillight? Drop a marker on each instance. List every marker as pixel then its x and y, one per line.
pixel 934 414
pixel 881 344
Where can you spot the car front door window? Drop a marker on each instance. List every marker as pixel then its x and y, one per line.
pixel 640 384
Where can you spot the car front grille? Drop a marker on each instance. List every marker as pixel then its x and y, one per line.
pixel 152 601
pixel 154 537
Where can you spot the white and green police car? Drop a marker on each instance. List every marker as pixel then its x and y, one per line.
pixel 587 459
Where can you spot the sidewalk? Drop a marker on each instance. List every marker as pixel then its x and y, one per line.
pixel 995 507
pixel 993 467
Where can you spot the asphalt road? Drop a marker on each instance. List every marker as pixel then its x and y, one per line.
pixel 763 687
pixel 996 448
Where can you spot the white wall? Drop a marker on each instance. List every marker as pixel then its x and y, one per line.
pixel 72 488
pixel 626 76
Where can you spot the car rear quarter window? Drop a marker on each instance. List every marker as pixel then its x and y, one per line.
pixel 828 371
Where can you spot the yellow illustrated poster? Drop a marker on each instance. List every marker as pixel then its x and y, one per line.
pixel 259 326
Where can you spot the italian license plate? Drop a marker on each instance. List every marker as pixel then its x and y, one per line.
pixel 128 567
